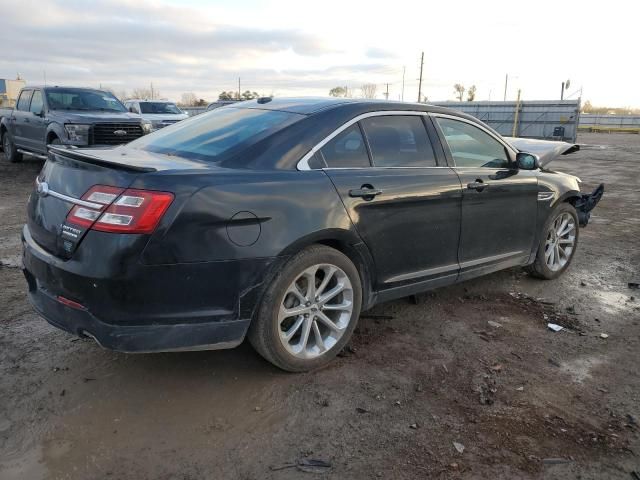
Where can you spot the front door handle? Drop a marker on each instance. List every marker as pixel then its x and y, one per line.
pixel 366 191
pixel 478 185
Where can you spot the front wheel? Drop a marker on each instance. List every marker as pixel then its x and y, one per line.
pixel 10 151
pixel 309 311
pixel 558 243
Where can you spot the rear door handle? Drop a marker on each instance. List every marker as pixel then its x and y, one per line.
pixel 478 185
pixel 367 192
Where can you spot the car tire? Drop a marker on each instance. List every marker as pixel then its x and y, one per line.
pixel 557 248
pixel 10 150
pixel 298 329
pixel 55 141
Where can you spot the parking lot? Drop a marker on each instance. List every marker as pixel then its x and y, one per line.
pixel 426 389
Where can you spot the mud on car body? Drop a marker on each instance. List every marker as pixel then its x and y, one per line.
pixel 281 220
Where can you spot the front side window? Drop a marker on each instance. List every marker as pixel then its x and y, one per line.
pixel 23 101
pixel 216 135
pixel 398 141
pixel 159 107
pixel 87 100
pixel 346 150
pixel 36 102
pixel 472 147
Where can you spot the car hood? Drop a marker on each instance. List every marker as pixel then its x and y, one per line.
pixel 71 116
pixel 546 150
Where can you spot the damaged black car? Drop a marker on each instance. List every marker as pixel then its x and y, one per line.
pixel 280 220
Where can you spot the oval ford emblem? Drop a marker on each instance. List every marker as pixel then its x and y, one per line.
pixel 120 133
pixel 42 189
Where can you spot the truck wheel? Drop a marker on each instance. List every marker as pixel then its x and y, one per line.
pixel 309 310
pixel 10 150
pixel 558 243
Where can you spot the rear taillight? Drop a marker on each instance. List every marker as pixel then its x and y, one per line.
pixel 121 211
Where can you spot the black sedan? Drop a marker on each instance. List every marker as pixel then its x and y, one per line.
pixel 283 219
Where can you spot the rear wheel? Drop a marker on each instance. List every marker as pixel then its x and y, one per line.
pixel 558 243
pixel 309 311
pixel 10 151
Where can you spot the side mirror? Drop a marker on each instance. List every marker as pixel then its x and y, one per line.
pixel 40 113
pixel 527 161
pixel 132 110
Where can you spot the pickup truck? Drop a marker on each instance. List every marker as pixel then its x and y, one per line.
pixel 80 117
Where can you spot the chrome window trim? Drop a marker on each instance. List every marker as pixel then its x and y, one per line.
pixel 67 198
pixel 303 163
pixel 477 125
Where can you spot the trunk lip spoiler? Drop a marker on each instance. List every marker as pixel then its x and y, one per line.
pixel 43 190
pixel 76 154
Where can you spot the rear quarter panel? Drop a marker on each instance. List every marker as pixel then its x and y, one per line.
pixel 248 214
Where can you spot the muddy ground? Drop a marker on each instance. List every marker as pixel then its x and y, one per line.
pixel 523 401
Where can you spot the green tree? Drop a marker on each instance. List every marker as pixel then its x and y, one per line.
pixel 247 95
pixel 339 92
pixel 471 93
pixel 228 96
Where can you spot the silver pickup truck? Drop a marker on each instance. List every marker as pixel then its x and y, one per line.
pixel 69 116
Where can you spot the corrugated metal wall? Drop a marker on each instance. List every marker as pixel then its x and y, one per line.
pixel 536 119
pixel 609 121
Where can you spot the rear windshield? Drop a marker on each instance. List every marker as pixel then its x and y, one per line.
pixel 158 107
pixel 216 135
pixel 77 99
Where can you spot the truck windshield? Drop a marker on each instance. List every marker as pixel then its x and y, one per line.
pixel 216 135
pixel 159 107
pixel 81 99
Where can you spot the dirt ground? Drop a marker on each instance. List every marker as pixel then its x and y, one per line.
pixel 523 402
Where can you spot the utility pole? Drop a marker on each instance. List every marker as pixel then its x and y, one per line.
pixel 562 92
pixel 238 88
pixel 151 90
pixel 506 82
pixel 402 95
pixel 516 116
pixel 386 94
pixel 420 81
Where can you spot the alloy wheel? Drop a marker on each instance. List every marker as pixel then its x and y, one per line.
pixel 315 311
pixel 560 242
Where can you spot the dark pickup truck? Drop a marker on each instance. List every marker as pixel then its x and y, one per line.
pixel 69 116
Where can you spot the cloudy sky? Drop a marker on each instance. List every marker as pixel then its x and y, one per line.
pixel 305 48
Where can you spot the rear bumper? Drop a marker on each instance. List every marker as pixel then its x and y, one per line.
pixel 142 308
pixel 136 338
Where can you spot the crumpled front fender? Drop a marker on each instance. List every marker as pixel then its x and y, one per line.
pixel 587 202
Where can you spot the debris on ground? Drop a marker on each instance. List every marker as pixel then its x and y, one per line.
pixel 458 446
pixel 634 285
pixel 494 324
pixel 414 426
pixel 555 327
pixel 361 410
pixel 604 335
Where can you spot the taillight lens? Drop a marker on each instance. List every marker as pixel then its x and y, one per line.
pixel 121 211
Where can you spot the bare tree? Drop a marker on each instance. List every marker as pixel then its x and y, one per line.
pixel 369 90
pixel 144 93
pixel 188 99
pixel 471 93
pixel 459 89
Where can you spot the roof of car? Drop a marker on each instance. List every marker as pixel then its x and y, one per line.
pixel 312 105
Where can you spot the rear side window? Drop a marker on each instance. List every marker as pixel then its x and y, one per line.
pixel 36 102
pixel 216 135
pixel 347 150
pixel 23 101
pixel 399 141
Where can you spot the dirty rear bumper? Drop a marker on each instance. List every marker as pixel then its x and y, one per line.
pixel 131 307
pixel 588 202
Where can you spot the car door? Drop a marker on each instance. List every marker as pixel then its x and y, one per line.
pixel 499 202
pixel 20 119
pixel 404 205
pixel 36 127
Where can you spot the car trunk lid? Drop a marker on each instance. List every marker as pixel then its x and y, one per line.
pixel 64 179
